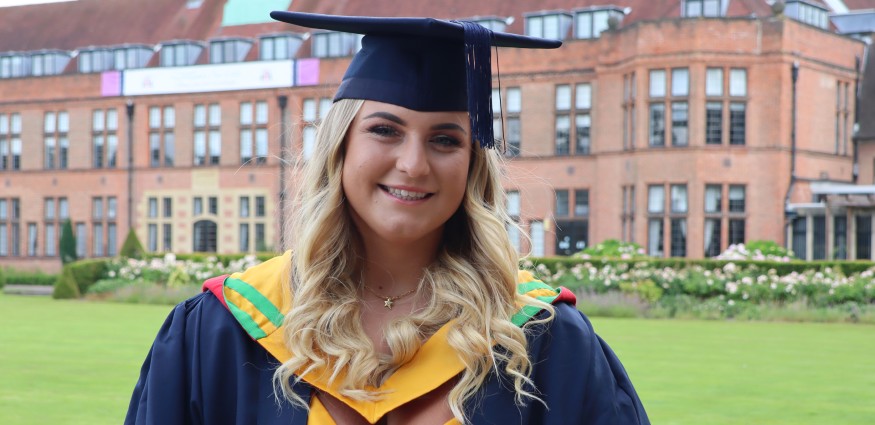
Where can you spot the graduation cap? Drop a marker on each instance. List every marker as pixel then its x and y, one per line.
pixel 423 64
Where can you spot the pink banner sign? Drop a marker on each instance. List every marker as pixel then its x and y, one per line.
pixel 111 83
pixel 307 72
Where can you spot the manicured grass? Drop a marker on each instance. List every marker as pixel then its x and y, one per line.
pixel 73 362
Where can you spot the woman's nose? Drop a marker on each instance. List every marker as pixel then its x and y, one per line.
pixel 413 157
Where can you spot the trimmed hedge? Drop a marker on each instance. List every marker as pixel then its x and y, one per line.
pixel 76 277
pixel 225 259
pixel 781 268
pixel 23 277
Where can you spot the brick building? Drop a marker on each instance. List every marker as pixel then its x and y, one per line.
pixel 674 124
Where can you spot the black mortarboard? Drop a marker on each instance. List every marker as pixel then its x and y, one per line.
pixel 423 64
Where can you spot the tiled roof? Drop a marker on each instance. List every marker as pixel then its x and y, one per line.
pixel 83 23
pixel 860 4
pixel 71 25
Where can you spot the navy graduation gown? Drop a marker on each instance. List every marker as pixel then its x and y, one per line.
pixel 204 369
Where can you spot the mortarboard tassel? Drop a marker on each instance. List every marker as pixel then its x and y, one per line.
pixel 478 73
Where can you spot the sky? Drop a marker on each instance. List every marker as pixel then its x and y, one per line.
pixel 5 3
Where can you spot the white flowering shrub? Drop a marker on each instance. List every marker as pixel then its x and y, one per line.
pixel 172 272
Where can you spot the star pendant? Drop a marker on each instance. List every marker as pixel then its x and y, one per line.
pixel 388 303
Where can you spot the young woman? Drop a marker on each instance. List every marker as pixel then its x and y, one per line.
pixel 400 301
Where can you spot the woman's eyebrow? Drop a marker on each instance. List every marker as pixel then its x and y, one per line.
pixel 449 126
pixel 386 115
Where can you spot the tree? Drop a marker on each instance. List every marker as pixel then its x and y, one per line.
pixel 67 246
pixel 132 248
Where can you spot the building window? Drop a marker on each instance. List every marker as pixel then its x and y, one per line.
pixel 514 211
pixel 207 134
pixel 713 219
pixel 553 26
pixel 840 238
pixel 48 63
pixel 213 205
pixel 735 104
pixel 10 227
pixel 14 66
pixel 842 120
pixel 10 142
pixel 55 141
pixel 701 8
pixel 629 93
pixel 31 240
pixel 104 212
pixel 251 230
pixel 576 109
pixel 678 212
pixel 572 221
pixel 180 53
pixel 152 243
pixel 95 60
pixel 160 222
pixel 656 220
pixel 197 206
pixel 818 251
pixel 55 212
pixel 104 128
pixel 628 216
pixel 669 95
pixel 279 47
pixel 807 12
pixel 253 132
pixel 799 229
pixel 131 57
pixel 513 136
pixel 332 44
pixel 536 232
pixel 81 240
pixel 314 111
pixel 864 237
pixel 229 50
pixel 205 236
pixel 162 138
pixel 589 23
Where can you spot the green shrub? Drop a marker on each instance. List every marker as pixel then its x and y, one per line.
pixel 769 248
pixel 202 257
pixel 76 277
pixel 616 249
pixel 67 247
pixel 132 248
pixel 24 277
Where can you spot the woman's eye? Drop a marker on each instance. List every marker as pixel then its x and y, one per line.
pixel 383 130
pixel 447 141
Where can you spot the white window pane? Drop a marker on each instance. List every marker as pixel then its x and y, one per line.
pixel 563 97
pixel 245 113
pixel 309 141
pixel 246 145
pixel 551 27
pixel 679 198
pixel 215 143
pixel 513 235
pixel 599 22
pixel 714 82
pixel 16 123
pixel 738 82
pixel 583 97
pixel 4 124
pixel 324 106
pixel 309 110
pixel 535 26
pixel 656 199
pixel 496 101
pixel 536 230
pixel 657 83
pixel 97 120
pixel 261 142
pixel 514 100
pixel 680 82
pixel 111 119
pixel 215 115
pixel 49 122
pixel 169 117
pixel 261 113
pixel 712 199
pixel 154 117
pixel 63 122
pixel 513 203
pixel 584 25
pixel 200 116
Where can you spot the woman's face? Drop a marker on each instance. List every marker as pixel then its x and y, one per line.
pixel 405 172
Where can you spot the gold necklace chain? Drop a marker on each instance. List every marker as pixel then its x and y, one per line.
pixel 389 301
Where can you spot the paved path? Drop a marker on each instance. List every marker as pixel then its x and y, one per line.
pixel 27 290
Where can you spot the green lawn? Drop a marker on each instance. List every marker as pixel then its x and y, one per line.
pixel 71 362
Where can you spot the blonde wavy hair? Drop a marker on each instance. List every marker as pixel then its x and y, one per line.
pixel 473 280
